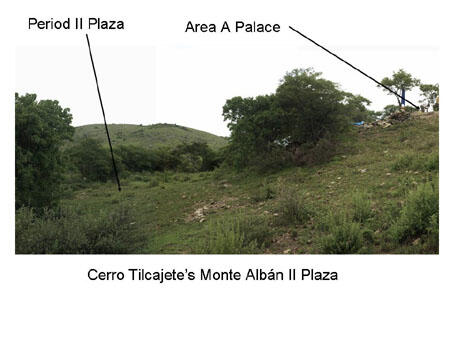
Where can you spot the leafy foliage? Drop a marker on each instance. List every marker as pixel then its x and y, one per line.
pixel 41 128
pixel 356 108
pixel 420 215
pixel 361 207
pixel 227 238
pixel 293 207
pixel 76 231
pixel 345 238
pixel 430 93
pixel 92 160
pixel 400 80
pixel 304 109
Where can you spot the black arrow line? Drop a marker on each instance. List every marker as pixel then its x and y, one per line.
pixel 359 70
pixel 104 117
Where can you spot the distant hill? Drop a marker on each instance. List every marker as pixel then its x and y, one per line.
pixel 151 136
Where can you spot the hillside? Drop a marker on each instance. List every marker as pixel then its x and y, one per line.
pixel 151 136
pixel 296 210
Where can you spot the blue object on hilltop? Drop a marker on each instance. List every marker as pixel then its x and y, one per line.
pixel 358 123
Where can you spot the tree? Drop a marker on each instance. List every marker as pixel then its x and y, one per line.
pixel 304 109
pixel 256 126
pixel 430 94
pixel 92 160
pixel 310 107
pixel 195 156
pixel 400 81
pixel 356 108
pixel 41 128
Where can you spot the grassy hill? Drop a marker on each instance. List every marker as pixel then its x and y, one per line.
pixel 152 136
pixel 356 200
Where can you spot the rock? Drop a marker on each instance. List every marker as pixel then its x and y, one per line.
pixel 287 251
pixel 362 171
pixel 399 116
pixel 416 241
pixel 388 174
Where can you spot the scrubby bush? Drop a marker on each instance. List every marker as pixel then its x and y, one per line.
pixel 330 220
pixel 361 207
pixel 345 238
pixel 225 238
pixel 403 161
pixel 135 159
pixel 413 161
pixel 238 235
pixel 264 193
pixel 432 162
pixel 293 206
pixel 75 231
pixel 310 154
pixel 256 230
pixel 199 155
pixel 92 160
pixel 420 214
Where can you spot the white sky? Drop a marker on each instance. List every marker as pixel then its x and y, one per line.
pixel 151 76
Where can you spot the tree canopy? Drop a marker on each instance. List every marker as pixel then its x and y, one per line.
pixel 400 80
pixel 41 128
pixel 304 109
pixel 429 93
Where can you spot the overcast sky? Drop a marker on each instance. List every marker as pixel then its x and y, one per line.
pixel 169 76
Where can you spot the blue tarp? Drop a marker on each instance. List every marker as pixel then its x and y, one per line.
pixel 358 123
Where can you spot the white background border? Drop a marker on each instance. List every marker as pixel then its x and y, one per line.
pixel 376 296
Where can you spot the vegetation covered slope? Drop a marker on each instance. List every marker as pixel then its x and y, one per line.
pixel 378 195
pixel 151 136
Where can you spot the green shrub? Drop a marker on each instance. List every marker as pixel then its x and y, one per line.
pixel 420 214
pixel 344 239
pixel 310 154
pixel 264 193
pixel 432 236
pixel 330 220
pixel 293 207
pixel 75 231
pixel 225 238
pixel 403 162
pixel 361 207
pixel 153 182
pixel 238 235
pixel 256 230
pixel 432 162
pixel 92 160
pixel 413 161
